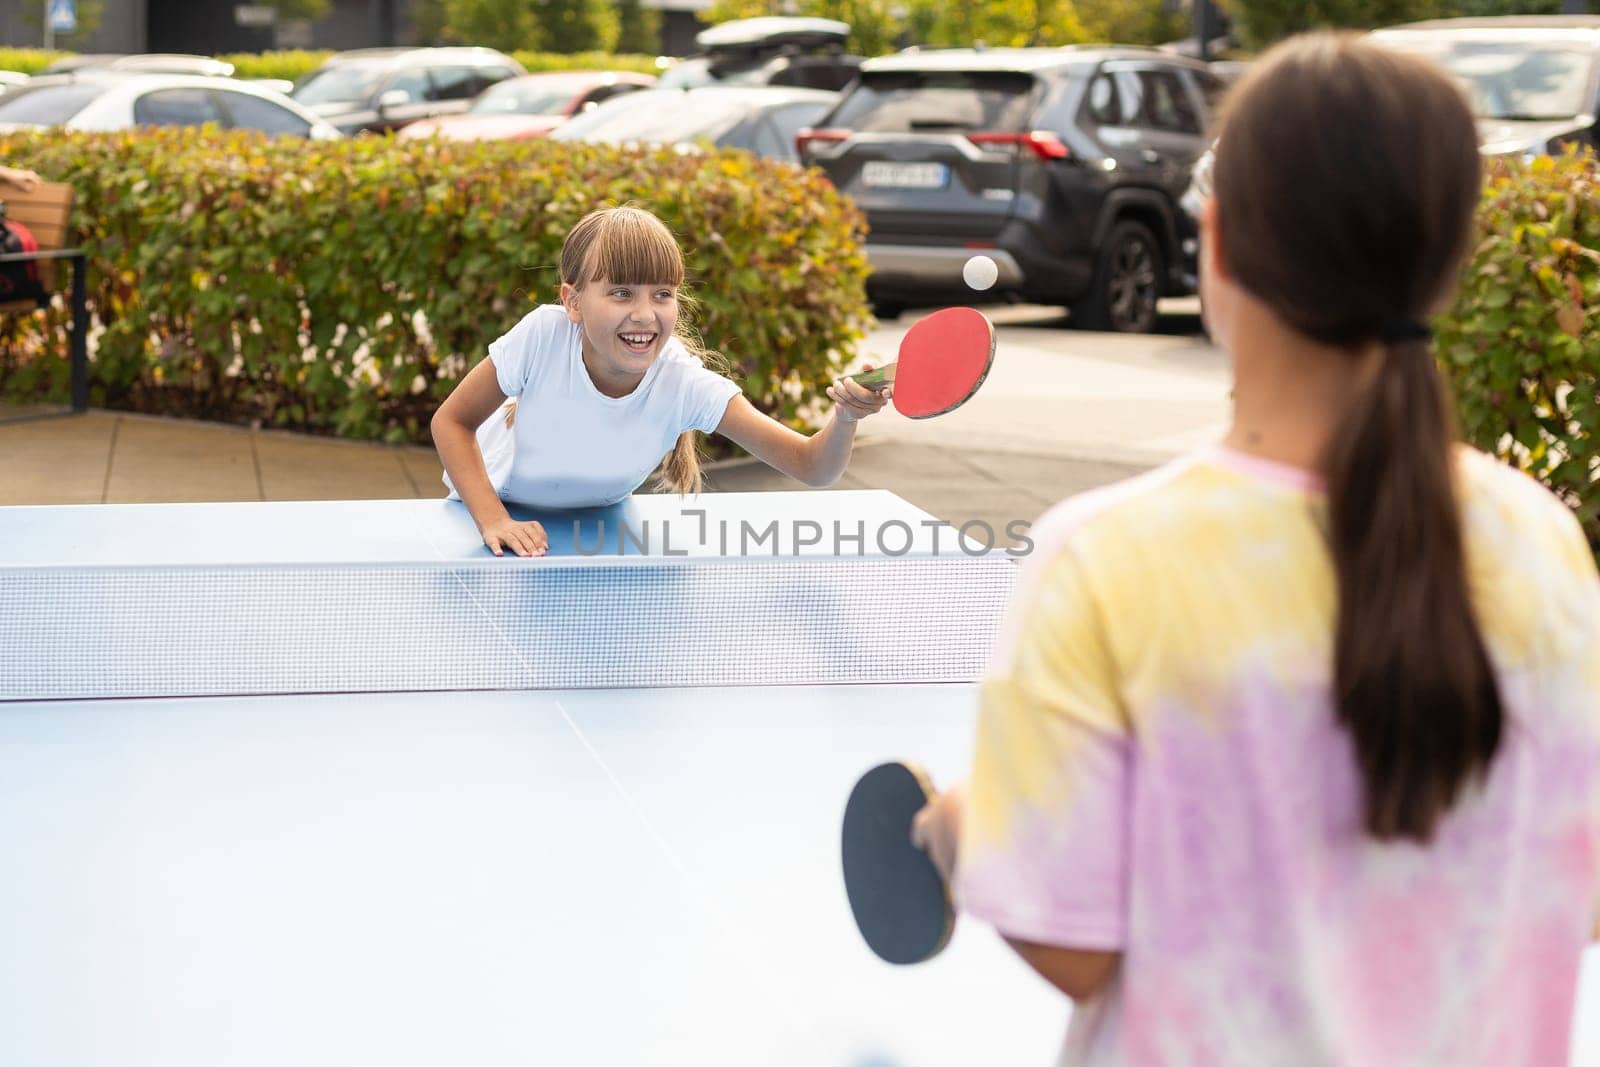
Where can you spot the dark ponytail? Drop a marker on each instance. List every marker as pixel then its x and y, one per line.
pixel 1412 680
pixel 1346 179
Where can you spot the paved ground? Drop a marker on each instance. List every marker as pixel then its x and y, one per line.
pixel 1061 411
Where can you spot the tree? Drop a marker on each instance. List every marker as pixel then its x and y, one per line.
pixel 1133 21
pixel 503 24
pixel 429 22
pixel 300 9
pixel 727 10
pixel 576 25
pixel 1480 8
pixel 536 25
pixel 1260 22
pixel 998 24
pixel 638 28
pixel 88 15
pixel 880 26
pixel 875 25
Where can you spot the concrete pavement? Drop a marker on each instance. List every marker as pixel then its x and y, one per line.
pixel 1061 411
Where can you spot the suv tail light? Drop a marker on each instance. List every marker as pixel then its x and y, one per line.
pixel 807 135
pixel 1042 143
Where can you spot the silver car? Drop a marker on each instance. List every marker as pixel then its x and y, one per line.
pixel 760 119
pixel 105 100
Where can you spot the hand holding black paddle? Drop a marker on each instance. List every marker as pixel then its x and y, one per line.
pixel 901 902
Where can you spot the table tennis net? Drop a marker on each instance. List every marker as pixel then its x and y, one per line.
pixel 126 632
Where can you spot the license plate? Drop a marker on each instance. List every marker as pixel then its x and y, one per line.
pixel 881 175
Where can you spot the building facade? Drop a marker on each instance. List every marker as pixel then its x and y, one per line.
pixel 213 27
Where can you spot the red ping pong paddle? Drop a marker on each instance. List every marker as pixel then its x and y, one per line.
pixel 943 360
pixel 900 901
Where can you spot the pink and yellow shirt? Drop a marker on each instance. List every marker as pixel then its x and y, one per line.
pixel 1159 772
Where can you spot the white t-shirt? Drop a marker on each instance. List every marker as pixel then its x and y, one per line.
pixel 571 446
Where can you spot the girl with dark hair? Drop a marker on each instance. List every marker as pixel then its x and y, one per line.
pixel 1290 751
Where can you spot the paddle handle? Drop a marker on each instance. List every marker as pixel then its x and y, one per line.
pixel 875 379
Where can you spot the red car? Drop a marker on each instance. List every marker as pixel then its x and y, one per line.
pixel 530 106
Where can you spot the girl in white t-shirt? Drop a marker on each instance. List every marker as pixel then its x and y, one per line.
pixel 602 386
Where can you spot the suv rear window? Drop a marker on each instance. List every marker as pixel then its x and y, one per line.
pixel 915 101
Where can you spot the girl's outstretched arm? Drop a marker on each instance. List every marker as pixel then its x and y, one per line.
pixel 455 435
pixel 817 460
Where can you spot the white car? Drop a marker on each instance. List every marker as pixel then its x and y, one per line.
pixel 758 118
pixel 105 100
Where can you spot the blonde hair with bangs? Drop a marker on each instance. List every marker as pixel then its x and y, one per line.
pixel 629 246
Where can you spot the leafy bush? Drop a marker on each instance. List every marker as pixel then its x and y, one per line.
pixel 28 60
pixel 346 286
pixel 541 61
pixel 296 65
pixel 288 65
pixel 293 66
pixel 1522 343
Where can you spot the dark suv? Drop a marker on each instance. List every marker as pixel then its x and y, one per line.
pixel 377 89
pixel 1063 165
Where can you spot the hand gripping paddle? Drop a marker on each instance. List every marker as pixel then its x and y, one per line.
pixel 943 360
pixel 901 903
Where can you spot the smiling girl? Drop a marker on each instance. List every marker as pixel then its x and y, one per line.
pixel 604 384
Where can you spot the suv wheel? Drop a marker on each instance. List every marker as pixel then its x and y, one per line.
pixel 1127 283
pixel 887 310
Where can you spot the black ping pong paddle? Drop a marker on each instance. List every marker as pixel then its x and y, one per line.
pixel 900 901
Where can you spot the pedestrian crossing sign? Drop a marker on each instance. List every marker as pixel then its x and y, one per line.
pixel 63 16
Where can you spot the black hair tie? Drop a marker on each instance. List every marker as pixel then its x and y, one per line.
pixel 1404 331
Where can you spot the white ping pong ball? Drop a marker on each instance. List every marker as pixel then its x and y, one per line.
pixel 980 272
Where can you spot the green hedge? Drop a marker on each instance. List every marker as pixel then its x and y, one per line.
pixel 28 60
pixel 537 61
pixel 288 65
pixel 1522 344
pixel 346 286
pixel 294 65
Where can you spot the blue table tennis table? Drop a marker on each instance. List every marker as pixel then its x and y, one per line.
pixel 327 784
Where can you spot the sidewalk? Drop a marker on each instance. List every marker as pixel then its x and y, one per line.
pixel 1061 411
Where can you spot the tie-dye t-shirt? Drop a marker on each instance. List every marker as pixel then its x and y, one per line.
pixel 1159 772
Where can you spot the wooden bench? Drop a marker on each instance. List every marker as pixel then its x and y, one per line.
pixel 46 210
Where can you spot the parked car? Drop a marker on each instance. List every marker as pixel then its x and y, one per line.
pixel 1229 70
pixel 1534 82
pixel 771 50
pixel 157 63
pixel 1063 165
pixel 761 119
pixel 277 85
pixel 529 106
pixel 104 100
pixel 379 89
pixel 146 63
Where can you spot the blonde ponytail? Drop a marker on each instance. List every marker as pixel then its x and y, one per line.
pixel 680 470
